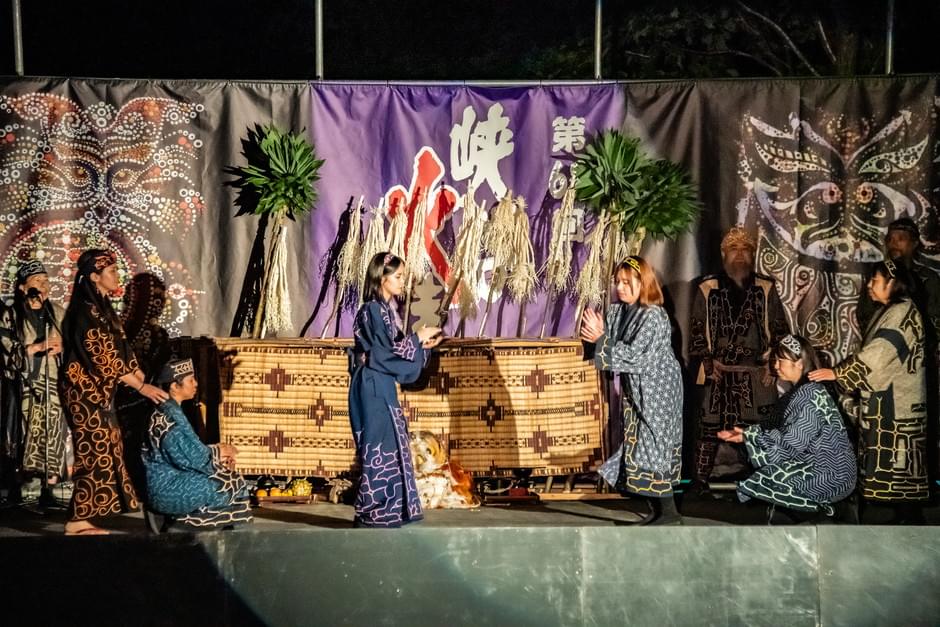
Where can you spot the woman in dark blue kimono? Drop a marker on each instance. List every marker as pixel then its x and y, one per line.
pixel 804 459
pixel 382 355
pixel 635 340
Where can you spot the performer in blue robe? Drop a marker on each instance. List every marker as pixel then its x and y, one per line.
pixel 193 483
pixel 382 355
pixel 635 340
pixel 804 459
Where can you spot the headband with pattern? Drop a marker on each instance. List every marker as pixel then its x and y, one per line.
pixel 176 370
pixel 98 262
pixel 792 344
pixel 388 259
pixel 28 269
pixel 892 269
pixel 634 263
pixel 907 225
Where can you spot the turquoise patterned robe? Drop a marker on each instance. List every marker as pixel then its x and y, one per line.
pixel 185 478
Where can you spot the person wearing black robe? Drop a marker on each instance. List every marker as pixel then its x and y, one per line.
pixel 96 357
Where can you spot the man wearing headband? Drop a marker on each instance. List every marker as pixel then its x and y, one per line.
pixel 903 245
pixel 736 318
pixel 30 345
pixel 193 484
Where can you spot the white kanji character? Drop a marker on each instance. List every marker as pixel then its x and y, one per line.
pixel 567 134
pixel 476 150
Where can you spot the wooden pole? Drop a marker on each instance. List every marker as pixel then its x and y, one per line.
pixel 497 277
pixel 258 329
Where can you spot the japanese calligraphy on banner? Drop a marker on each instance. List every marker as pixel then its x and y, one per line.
pixel 816 169
pixel 390 144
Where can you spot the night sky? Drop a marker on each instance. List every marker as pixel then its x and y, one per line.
pixel 371 39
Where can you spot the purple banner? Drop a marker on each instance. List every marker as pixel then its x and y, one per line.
pixel 384 143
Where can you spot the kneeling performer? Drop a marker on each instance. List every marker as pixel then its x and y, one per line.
pixel 193 483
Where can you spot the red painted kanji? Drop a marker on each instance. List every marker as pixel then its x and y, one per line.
pixel 442 200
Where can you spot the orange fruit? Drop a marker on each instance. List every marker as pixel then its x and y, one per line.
pixel 275 492
pixel 261 493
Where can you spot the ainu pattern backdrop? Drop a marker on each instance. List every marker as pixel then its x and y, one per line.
pixel 815 168
pixel 497 405
pixel 137 167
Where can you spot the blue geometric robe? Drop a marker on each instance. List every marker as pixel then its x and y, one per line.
pixel 804 458
pixel 637 342
pixel 185 478
pixel 382 355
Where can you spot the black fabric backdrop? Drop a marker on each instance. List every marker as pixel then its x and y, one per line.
pixel 815 168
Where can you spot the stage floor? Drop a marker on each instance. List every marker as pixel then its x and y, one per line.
pixel 556 563
pixel 715 509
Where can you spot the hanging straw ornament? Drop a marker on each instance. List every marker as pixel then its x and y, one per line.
pixel 347 272
pixel 557 268
pixel 373 244
pixel 497 242
pixel 591 283
pixel 398 231
pixel 522 279
pixel 416 259
pixel 466 260
pixel 277 313
pixel 558 264
pixel 347 266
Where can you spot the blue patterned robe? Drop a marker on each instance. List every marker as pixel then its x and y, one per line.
pixel 185 478
pixel 637 342
pixel 803 455
pixel 382 355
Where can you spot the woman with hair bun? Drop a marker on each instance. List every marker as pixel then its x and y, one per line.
pixel 887 378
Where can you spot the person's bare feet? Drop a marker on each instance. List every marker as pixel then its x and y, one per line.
pixel 84 528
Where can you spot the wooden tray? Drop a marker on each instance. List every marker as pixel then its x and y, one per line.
pixel 301 500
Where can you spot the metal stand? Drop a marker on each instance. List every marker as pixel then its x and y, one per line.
pixel 46 499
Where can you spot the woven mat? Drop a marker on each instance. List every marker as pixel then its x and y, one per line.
pixel 498 404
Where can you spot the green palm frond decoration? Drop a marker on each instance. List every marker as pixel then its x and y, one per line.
pixel 278 182
pixel 282 174
pixel 608 173
pixel 666 202
pixel 614 175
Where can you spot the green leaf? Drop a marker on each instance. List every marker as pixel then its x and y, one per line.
pixel 615 175
pixel 282 171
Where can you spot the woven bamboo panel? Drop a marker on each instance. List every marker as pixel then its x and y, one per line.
pixel 499 405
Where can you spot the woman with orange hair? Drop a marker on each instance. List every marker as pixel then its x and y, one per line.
pixel 635 341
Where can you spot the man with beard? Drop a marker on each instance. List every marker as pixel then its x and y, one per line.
pixel 737 317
